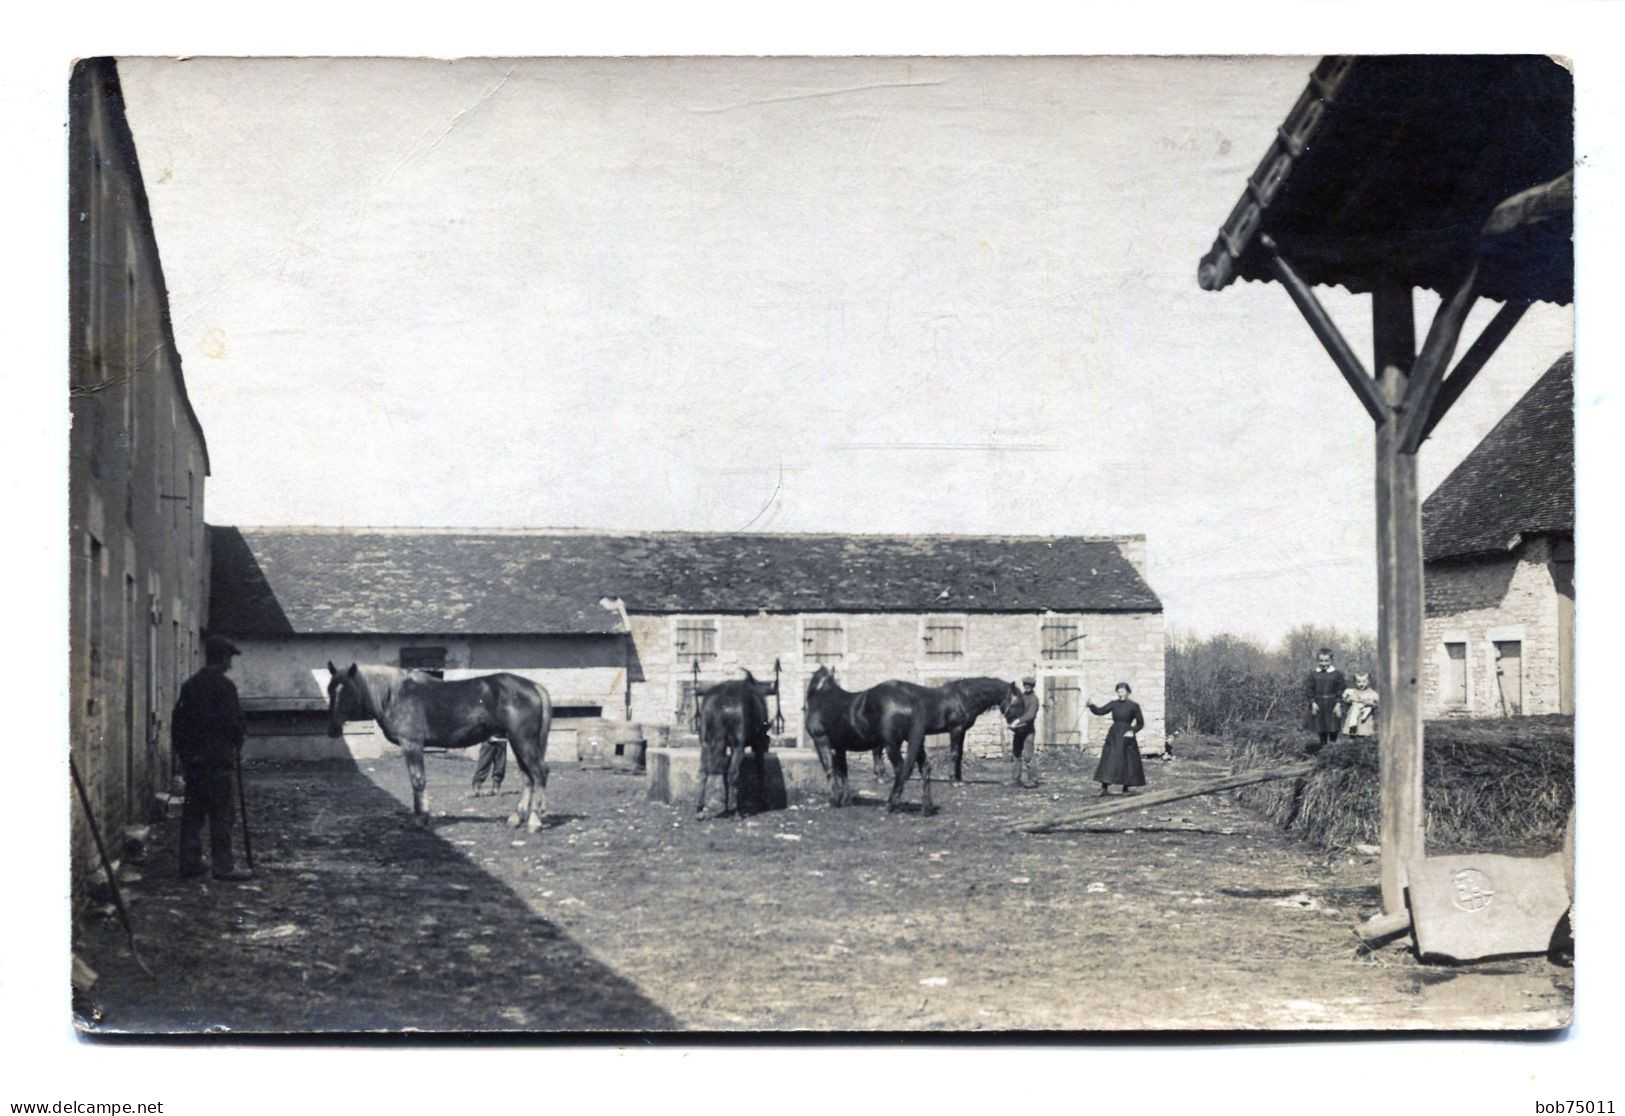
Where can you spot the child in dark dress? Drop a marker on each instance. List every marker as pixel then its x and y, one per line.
pixel 1120 756
pixel 1324 689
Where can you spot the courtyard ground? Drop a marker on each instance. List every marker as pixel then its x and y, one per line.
pixel 624 914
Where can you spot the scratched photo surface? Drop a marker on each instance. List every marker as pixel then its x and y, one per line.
pixel 694 427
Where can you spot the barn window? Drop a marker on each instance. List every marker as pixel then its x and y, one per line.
pixel 694 641
pixel 943 637
pixel 1059 639
pixel 823 640
pixel 1454 690
pixel 431 659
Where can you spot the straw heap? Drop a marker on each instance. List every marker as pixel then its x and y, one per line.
pixel 1502 785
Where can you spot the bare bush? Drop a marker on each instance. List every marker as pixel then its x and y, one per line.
pixel 1215 682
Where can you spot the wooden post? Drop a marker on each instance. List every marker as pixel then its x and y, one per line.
pixel 1399 600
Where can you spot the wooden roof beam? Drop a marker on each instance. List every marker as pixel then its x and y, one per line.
pixel 1427 374
pixel 1473 360
pixel 1365 388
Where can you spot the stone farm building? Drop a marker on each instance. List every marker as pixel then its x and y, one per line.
pixel 613 625
pixel 1498 539
pixel 138 572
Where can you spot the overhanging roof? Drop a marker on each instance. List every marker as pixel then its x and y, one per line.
pixel 1389 168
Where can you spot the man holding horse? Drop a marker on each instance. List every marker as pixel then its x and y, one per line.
pixel 1022 730
pixel 206 732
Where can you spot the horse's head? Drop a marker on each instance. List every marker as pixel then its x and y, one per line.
pixel 1010 705
pixel 823 678
pixel 343 703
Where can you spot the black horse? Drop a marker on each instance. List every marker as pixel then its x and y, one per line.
pixel 415 710
pixel 732 718
pixel 893 714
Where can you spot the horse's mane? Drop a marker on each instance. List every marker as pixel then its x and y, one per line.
pixel 982 691
pixel 378 684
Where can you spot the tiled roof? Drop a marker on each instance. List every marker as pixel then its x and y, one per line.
pixel 286 580
pixel 1517 482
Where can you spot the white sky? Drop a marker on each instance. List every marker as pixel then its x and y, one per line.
pixel 897 295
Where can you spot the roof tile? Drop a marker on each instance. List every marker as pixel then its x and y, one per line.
pixel 288 580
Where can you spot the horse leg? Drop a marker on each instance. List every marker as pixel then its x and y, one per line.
pixel 420 782
pixel 736 759
pixel 705 778
pixel 538 803
pixel 880 767
pixel 956 748
pixel 918 755
pixel 532 803
pixel 902 768
pixel 837 761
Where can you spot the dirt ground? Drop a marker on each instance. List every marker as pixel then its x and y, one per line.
pixel 624 914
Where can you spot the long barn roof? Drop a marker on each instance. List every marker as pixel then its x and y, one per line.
pixel 1517 482
pixel 304 580
pixel 1389 168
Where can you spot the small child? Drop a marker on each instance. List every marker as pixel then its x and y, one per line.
pixel 1360 707
pixel 1323 687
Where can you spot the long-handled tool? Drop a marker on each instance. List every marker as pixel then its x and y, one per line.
pixel 778 704
pixel 107 865
pixel 1123 804
pixel 242 808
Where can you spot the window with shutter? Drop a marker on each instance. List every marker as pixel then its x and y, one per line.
pixel 695 641
pixel 1059 639
pixel 944 638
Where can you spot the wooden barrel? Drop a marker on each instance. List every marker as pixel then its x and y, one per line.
pixel 593 741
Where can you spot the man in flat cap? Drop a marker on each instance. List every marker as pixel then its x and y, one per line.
pixel 207 731
pixel 1026 753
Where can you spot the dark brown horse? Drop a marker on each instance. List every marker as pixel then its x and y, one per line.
pixel 892 715
pixel 732 718
pixel 417 710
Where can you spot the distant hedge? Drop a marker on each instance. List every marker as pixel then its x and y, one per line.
pixel 1489 785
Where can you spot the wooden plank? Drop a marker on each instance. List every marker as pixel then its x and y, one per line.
pixel 1330 336
pixel 1531 206
pixel 1474 359
pixel 1123 804
pixel 1399 606
pixel 1427 373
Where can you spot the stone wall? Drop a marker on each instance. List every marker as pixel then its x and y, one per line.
pixel 880 646
pixel 139 562
pixel 1478 603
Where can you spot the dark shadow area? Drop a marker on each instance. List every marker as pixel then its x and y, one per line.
pixel 241 597
pixel 358 921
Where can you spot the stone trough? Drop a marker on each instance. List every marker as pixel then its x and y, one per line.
pixel 794 776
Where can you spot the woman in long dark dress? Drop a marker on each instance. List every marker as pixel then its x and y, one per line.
pixel 1120 758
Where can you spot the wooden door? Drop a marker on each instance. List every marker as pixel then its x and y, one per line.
pixel 1062 711
pixel 1509 676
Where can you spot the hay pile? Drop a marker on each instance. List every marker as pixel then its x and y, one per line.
pixel 1502 785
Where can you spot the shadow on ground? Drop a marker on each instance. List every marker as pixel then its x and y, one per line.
pixel 358 921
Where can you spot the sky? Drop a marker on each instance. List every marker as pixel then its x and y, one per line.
pixel 854 294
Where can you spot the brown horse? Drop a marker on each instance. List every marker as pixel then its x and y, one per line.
pixel 417 710
pixel 732 718
pixel 893 714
